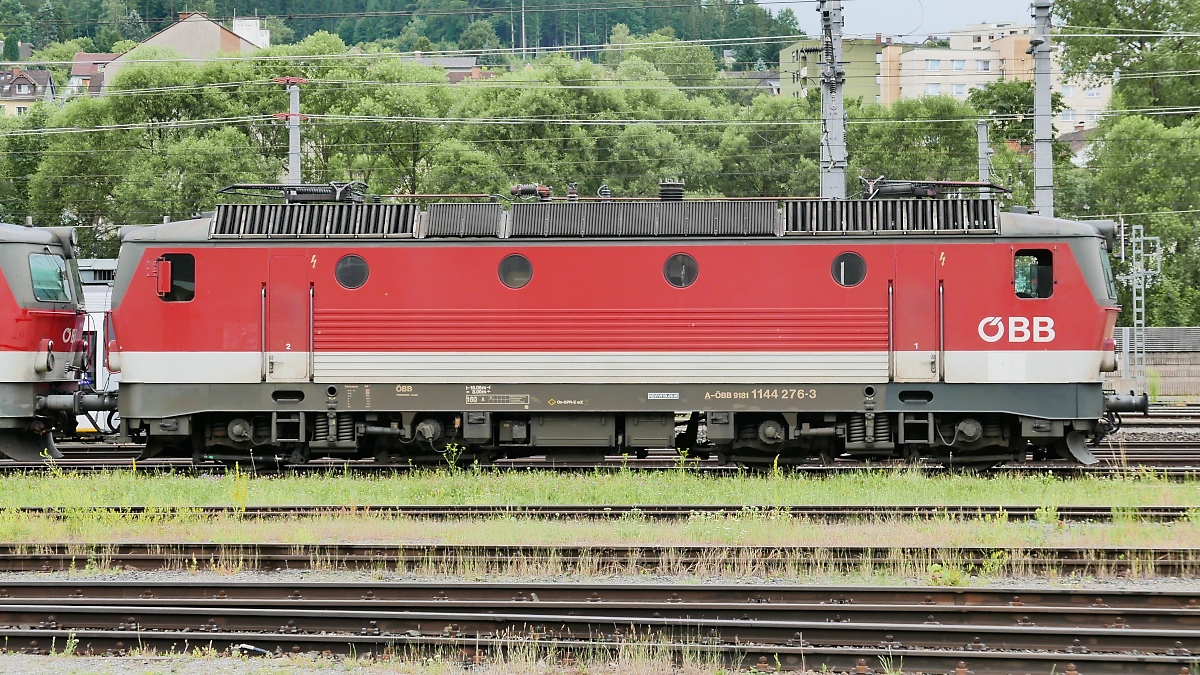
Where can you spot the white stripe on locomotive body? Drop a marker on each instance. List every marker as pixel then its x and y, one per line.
pixel 1033 367
pixel 19 367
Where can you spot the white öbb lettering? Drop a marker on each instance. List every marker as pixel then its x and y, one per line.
pixel 1019 329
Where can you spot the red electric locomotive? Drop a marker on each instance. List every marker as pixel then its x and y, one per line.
pixel 783 331
pixel 42 353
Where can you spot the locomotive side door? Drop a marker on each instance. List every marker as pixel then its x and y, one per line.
pixel 288 329
pixel 916 333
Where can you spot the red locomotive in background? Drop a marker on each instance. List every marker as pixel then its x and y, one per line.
pixel 780 330
pixel 42 351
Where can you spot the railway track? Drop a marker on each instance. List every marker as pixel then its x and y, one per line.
pixel 760 628
pixel 603 559
pixel 829 513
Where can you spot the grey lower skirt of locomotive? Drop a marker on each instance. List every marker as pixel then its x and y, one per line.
pixel 763 437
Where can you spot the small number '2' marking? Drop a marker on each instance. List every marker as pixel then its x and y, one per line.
pixel 287 346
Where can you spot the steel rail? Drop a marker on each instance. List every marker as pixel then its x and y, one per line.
pixel 756 627
pixel 474 651
pixel 825 512
pixel 680 559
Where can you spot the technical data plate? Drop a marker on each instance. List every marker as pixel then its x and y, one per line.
pixel 481 394
pixel 498 399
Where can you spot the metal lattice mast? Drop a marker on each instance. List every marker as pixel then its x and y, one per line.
pixel 833 113
pixel 1138 291
pixel 1145 263
pixel 1043 128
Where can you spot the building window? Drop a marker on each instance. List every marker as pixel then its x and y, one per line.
pixel 933 64
pixel 21 110
pixel 515 271
pixel 879 57
pixel 983 66
pixel 180 270
pixel 1093 115
pixel 849 269
pixel 878 79
pixel 958 89
pixel 958 64
pixel 933 89
pixel 1033 274
pixel 878 99
pixel 977 38
pixel 22 89
pixel 1093 93
pixel 1068 91
pixel 1068 115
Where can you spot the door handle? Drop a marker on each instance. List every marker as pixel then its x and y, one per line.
pixel 270 364
pixel 933 363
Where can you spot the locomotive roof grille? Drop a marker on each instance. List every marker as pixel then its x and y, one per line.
pixel 649 218
pixel 313 220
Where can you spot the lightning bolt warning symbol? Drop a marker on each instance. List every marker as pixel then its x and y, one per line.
pixel 943 258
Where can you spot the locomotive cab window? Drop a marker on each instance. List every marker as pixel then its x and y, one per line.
pixel 51 282
pixel 351 271
pixel 681 270
pixel 176 277
pixel 1033 273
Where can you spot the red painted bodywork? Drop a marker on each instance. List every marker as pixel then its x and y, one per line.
pixel 26 328
pixel 604 296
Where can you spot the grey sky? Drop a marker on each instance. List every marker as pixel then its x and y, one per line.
pixel 895 17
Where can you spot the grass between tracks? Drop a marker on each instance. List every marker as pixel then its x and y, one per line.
pixel 443 487
pixel 763 528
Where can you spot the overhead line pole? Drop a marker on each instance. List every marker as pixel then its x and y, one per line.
pixel 1043 129
pixel 985 153
pixel 293 121
pixel 833 113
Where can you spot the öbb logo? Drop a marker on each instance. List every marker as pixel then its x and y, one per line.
pixel 992 329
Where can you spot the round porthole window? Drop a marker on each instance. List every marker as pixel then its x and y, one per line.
pixel 681 270
pixel 849 269
pixel 515 271
pixel 351 271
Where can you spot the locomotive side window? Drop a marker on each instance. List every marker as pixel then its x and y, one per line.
pixel 183 277
pixel 351 271
pixel 51 283
pixel 681 270
pixel 1033 273
pixel 515 271
pixel 849 269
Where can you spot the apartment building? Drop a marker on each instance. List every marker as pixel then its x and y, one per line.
pixel 800 68
pixel 972 57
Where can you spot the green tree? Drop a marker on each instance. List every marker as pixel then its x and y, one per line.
pixel 1010 104
pixel 45 27
pixel 929 138
pixel 16 21
pixel 480 36
pixel 11 51
pixel 181 177
pixel 773 150
pixel 1148 43
pixel 21 151
pixel 281 33
pixel 1142 166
